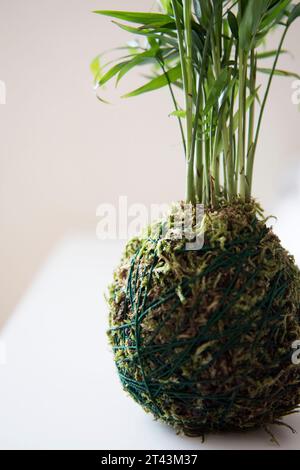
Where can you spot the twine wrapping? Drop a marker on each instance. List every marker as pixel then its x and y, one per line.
pixel 202 339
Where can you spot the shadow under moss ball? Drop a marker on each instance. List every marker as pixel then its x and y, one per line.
pixel 203 339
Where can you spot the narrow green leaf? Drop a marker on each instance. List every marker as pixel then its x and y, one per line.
pixel 137 60
pixel 227 91
pixel 102 100
pixel 181 113
pixel 172 76
pixel 204 11
pixel 166 6
pixel 216 90
pixel 251 20
pixel 197 9
pixel 96 68
pixel 137 17
pixel 275 13
pixel 267 54
pixel 295 13
pixel 281 73
pixel 249 102
pixel 111 73
pixel 151 32
pixel 233 24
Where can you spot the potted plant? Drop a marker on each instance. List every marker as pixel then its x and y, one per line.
pixel 202 337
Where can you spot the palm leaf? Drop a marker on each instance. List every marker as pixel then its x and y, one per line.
pixel 141 18
pixel 170 76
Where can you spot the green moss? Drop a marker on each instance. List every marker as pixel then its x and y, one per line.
pixel 202 339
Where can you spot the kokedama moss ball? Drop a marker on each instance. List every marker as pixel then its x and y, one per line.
pixel 203 339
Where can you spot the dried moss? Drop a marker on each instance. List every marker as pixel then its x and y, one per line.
pixel 202 339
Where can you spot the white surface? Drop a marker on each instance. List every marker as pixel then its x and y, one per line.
pixel 59 388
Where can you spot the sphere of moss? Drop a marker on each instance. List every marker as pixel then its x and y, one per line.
pixel 203 339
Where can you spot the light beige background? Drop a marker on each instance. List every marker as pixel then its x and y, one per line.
pixel 62 153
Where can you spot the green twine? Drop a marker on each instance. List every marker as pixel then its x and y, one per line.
pixel 158 361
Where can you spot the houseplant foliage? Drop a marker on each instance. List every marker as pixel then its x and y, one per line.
pixel 202 339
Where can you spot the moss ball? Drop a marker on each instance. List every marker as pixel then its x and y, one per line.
pixel 203 339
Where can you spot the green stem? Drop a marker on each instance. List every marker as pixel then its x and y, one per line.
pixel 199 171
pixel 232 146
pixel 228 161
pixel 241 125
pixel 185 53
pixel 197 138
pixel 207 182
pixel 198 109
pixel 250 152
pixel 187 15
pixel 212 168
pixel 215 168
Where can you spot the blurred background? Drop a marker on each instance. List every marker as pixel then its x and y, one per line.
pixel 62 152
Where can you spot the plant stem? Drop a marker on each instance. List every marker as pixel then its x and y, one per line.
pixel 187 14
pixel 216 159
pixel 197 125
pixel 232 146
pixel 241 126
pixel 207 170
pixel 228 161
pixel 185 54
pixel 197 139
pixel 250 152
pixel 199 171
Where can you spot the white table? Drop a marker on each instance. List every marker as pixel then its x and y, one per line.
pixel 59 388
